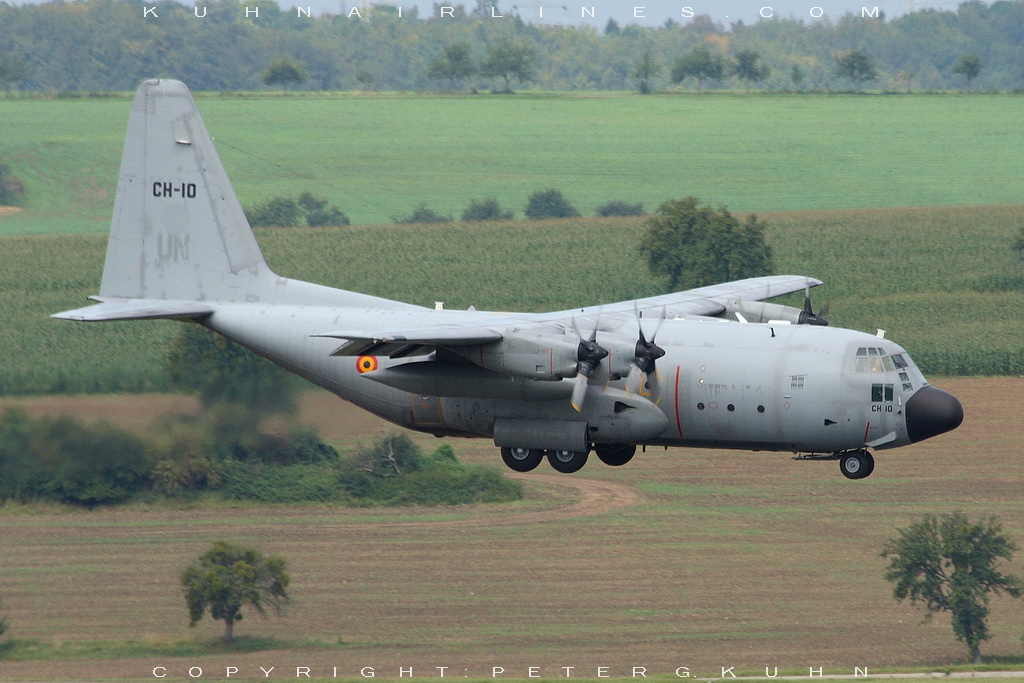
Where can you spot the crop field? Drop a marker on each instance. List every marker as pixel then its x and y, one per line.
pixel 917 273
pixel 696 559
pixel 381 156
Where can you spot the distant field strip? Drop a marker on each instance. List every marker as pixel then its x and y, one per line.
pixel 380 157
pixel 912 272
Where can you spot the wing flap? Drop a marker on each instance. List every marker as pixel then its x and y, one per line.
pixel 397 342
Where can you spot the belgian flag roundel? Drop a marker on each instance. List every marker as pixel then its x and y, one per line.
pixel 366 364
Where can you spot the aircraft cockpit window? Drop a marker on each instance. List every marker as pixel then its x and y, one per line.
pixel 907 386
pixel 899 361
pixel 874 359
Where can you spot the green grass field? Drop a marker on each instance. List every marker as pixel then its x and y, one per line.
pixel 378 157
pixel 683 558
pixel 912 272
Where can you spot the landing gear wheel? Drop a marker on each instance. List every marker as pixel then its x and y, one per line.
pixel 856 465
pixel 615 454
pixel 567 462
pixel 522 459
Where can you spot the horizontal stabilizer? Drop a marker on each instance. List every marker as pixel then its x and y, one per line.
pixel 137 309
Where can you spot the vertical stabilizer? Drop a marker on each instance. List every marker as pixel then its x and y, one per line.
pixel 178 231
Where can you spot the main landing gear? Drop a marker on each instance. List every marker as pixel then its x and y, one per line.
pixel 856 464
pixel 567 462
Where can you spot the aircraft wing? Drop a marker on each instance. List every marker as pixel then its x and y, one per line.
pixel 709 300
pixel 704 301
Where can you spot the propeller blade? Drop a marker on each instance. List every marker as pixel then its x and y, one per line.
pixel 579 391
pixel 808 316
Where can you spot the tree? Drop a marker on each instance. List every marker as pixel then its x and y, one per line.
pixel 485 210
pixel 797 75
pixel 1018 244
pixel 550 203
pixel 509 59
pixel 318 213
pixel 701 63
pixel 646 69
pixel 12 70
pixel 285 72
pixel 968 66
pixel 748 69
pixel 454 63
pixel 227 578
pixel 948 564
pixel 694 245
pixel 855 66
pixel 224 372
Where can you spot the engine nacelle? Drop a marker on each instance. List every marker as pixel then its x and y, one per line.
pixel 761 312
pixel 545 356
pixel 621 354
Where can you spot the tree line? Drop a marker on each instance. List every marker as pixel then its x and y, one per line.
pixel 103 45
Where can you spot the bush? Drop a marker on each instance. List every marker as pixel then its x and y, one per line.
pixel 284 212
pixel 279 212
pixel 12 191
pixel 549 203
pixel 486 210
pixel 281 483
pixel 422 215
pixel 319 214
pixel 393 471
pixel 61 459
pixel 618 208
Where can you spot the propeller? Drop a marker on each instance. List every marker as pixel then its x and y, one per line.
pixel 646 355
pixel 589 355
pixel 808 316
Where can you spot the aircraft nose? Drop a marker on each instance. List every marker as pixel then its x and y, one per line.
pixel 931 412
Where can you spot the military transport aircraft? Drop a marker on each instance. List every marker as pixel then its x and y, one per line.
pixel 710 367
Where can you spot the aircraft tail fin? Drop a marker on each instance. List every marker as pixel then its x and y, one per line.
pixel 178 231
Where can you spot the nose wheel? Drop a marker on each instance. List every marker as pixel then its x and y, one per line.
pixel 856 464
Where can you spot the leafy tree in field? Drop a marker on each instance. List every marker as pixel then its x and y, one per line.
pixel 797 75
pixel 455 63
pixel 11 189
pixel 1018 244
pixel 749 69
pixel 948 564
pixel 285 72
pixel 646 69
pixel 227 578
pixel 855 66
pixel 550 203
pixel 694 245
pixel 701 63
pixel 278 212
pixel 968 66
pixel 318 213
pixel 285 212
pixel 12 70
pixel 508 59
pixel 422 215
pixel 612 28
pixel 620 208
pixel 221 371
pixel 486 210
